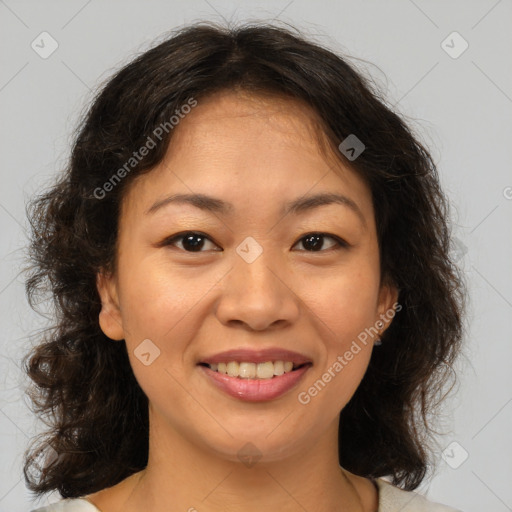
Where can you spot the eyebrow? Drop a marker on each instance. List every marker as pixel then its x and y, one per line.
pixel 296 207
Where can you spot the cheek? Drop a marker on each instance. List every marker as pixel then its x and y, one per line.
pixel 156 302
pixel 346 301
pixel 345 314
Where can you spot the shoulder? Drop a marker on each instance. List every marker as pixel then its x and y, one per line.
pixel 69 505
pixel 394 499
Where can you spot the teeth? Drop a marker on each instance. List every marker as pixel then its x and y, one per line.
pixel 245 370
pixel 278 368
pixel 265 370
pixel 233 368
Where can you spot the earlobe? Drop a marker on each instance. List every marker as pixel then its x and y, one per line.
pixel 388 305
pixel 110 319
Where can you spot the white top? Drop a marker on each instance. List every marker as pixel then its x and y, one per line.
pixel 391 499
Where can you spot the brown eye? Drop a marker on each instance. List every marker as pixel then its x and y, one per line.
pixel 190 241
pixel 316 242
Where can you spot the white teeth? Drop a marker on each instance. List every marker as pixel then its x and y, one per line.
pixel 232 368
pixel 245 370
pixel 265 370
pixel 278 368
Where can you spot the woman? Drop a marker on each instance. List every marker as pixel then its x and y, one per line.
pixel 255 304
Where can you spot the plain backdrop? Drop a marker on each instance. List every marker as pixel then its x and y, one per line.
pixel 456 92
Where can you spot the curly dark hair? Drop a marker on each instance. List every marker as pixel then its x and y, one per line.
pixel 82 382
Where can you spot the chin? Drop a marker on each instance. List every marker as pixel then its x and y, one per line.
pixel 251 445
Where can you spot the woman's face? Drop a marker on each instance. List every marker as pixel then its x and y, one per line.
pixel 230 267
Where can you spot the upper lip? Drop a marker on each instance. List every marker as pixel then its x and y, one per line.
pixel 257 356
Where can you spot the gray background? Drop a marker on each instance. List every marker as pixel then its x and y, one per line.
pixel 461 107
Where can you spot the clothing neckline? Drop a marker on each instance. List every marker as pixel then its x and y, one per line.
pixel 90 503
pixel 377 482
pixel 377 487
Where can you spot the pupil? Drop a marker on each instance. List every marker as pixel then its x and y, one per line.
pixel 313 241
pixel 193 242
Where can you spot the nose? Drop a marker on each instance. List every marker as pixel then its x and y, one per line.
pixel 257 296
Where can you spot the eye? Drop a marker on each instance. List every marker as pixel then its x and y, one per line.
pixel 194 241
pixel 315 242
pixel 191 241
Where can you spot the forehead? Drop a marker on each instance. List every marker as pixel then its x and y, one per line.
pixel 234 144
pixel 290 117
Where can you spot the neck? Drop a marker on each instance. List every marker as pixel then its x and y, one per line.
pixel 182 476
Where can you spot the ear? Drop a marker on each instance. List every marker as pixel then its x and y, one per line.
pixel 387 305
pixel 110 319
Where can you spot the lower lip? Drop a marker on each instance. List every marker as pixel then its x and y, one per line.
pixel 256 390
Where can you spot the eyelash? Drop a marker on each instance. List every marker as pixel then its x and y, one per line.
pixel 340 243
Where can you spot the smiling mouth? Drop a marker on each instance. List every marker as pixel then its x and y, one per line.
pixel 262 371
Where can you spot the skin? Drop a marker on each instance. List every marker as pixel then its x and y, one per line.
pixel 256 153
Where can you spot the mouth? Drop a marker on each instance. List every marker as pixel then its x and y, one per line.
pixel 249 370
pixel 255 376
